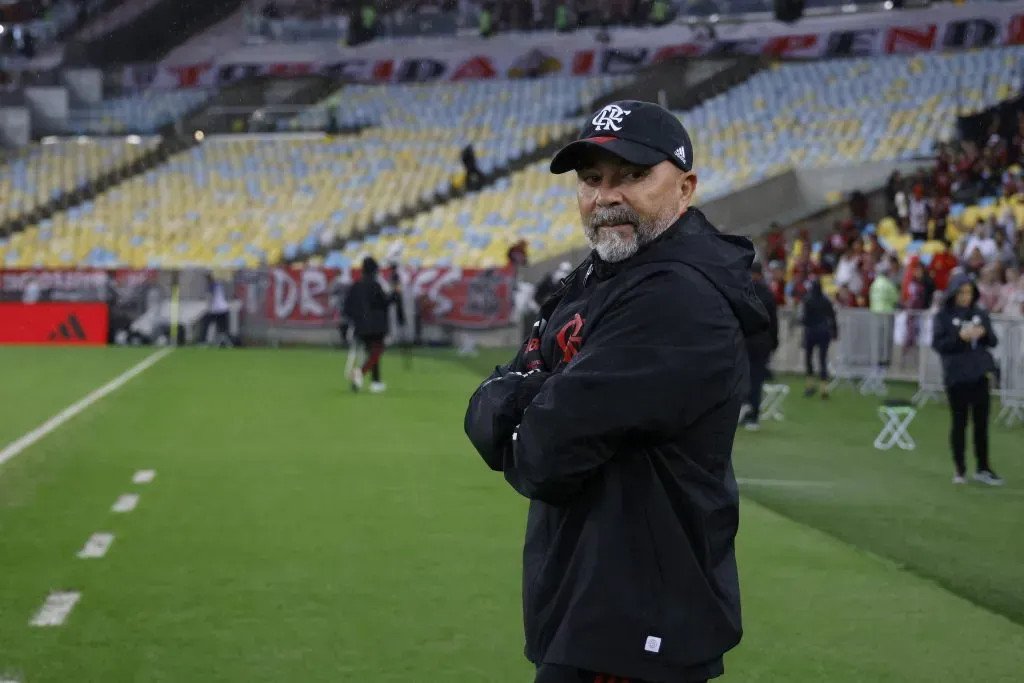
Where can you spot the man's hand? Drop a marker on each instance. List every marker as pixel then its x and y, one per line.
pixel 977 332
pixel 530 385
pixel 967 334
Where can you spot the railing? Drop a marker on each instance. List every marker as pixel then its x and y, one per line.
pixel 873 348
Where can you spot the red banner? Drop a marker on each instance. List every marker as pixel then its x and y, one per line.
pixel 446 296
pixel 81 324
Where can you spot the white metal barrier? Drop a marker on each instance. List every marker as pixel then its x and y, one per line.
pixel 874 348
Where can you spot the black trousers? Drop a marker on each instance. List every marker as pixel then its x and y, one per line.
pixel 219 321
pixel 758 376
pixel 817 338
pixel 969 400
pixel 551 673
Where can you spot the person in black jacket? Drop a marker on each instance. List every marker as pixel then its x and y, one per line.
pixel 962 335
pixel 759 349
pixel 818 316
pixel 366 310
pixel 617 419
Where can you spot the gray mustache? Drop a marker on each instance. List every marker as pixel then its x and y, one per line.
pixel 613 216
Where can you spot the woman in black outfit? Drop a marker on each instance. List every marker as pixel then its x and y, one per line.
pixel 962 335
pixel 819 319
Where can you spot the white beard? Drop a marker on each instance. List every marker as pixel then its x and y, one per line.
pixel 612 247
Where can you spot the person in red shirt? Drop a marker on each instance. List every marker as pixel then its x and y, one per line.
pixel 846 298
pixel 777 282
pixel 941 267
pixel 775 244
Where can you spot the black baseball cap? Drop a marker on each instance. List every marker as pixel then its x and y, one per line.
pixel 642 133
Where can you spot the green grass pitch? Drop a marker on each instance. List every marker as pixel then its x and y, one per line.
pixel 297 532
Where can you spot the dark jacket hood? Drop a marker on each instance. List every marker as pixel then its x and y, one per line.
pixel 725 260
pixel 955 284
pixel 370 266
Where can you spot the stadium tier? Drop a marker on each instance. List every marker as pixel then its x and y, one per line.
pixel 142 114
pixel 494 108
pixel 817 114
pixel 42 173
pixel 838 113
pixel 242 202
pixel 245 201
pixel 476 230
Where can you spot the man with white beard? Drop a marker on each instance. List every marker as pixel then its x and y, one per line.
pixel 617 418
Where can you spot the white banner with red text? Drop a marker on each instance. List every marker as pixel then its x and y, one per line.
pixel 939 28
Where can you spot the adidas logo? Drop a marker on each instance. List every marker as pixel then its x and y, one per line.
pixel 681 154
pixel 69 330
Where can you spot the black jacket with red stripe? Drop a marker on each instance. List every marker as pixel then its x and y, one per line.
pixel 625 453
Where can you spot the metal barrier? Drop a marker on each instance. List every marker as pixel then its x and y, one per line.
pixel 1011 384
pixel 874 348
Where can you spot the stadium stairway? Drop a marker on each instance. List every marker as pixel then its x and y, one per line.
pixel 68 200
pixel 662 81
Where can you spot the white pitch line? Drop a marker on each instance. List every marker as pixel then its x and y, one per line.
pixel 15 448
pixel 125 503
pixel 56 609
pixel 793 483
pixel 144 477
pixel 96 547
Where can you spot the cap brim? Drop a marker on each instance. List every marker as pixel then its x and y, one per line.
pixel 568 158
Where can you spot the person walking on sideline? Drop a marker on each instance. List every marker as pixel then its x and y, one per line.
pixel 962 335
pixel 366 310
pixel 617 419
pixel 818 316
pixel 759 350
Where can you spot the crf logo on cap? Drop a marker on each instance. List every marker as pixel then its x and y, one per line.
pixel 610 118
pixel 569 338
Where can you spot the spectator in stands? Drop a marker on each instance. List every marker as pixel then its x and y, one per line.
pixel 941 266
pixel 918 288
pixel 893 188
pixel 474 177
pixel 883 295
pixel 845 297
pixel 858 209
pixel 981 241
pixel 777 282
pixel 989 286
pixel 1013 296
pixel 963 336
pixel 847 272
pixel 517 256
pixel 818 317
pixel 1006 255
pixel 918 214
pixel 775 244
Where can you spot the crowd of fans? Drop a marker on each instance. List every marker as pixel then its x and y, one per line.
pixel 370 17
pixel 932 241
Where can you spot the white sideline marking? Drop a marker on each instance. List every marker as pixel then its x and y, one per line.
pixel 15 448
pixel 56 609
pixel 126 503
pixel 96 547
pixel 795 483
pixel 144 477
